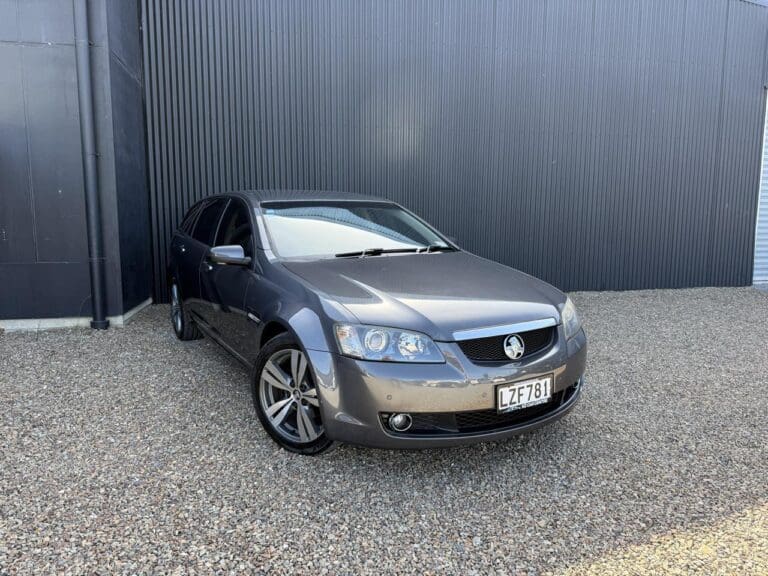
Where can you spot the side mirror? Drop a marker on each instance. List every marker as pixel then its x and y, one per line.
pixel 233 254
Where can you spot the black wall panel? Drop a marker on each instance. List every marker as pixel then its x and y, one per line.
pixel 43 251
pixel 17 240
pixel 596 144
pixel 43 241
pixel 53 126
pixel 127 93
pixel 131 187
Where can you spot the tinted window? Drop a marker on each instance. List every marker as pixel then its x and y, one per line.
pixel 206 222
pixel 235 227
pixel 316 229
pixel 189 219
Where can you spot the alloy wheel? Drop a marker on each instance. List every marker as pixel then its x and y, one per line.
pixel 289 397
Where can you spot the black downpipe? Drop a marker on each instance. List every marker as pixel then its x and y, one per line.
pixel 87 134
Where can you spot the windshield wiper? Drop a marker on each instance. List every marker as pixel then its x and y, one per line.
pixel 378 251
pixel 434 248
pixel 370 252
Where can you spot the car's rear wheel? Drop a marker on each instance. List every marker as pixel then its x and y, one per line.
pixel 286 399
pixel 183 326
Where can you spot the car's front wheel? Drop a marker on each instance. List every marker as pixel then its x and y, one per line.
pixel 286 399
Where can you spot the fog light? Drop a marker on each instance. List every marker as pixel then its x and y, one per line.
pixel 400 422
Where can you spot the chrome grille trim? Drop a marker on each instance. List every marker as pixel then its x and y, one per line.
pixel 503 329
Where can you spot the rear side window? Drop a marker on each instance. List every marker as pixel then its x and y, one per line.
pixel 235 228
pixel 207 221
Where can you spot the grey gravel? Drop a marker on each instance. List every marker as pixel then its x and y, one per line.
pixel 128 451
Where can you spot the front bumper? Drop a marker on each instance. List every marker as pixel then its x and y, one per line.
pixel 354 394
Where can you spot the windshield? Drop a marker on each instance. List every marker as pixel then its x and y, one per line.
pixel 326 229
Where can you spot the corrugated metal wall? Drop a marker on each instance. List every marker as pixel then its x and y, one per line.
pixel 760 274
pixel 596 144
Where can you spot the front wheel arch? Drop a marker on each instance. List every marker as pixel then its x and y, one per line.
pixel 271 330
pixel 302 323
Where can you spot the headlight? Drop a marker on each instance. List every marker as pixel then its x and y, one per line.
pixel 386 344
pixel 571 322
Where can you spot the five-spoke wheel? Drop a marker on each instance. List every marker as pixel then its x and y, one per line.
pixel 290 397
pixel 286 397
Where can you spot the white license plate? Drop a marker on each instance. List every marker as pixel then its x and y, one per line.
pixel 523 394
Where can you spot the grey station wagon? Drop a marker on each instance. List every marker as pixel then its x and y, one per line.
pixel 361 323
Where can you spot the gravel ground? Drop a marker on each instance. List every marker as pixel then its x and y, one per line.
pixel 128 451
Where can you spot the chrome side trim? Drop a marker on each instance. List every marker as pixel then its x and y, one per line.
pixel 503 329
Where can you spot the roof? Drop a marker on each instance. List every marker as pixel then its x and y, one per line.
pixel 260 196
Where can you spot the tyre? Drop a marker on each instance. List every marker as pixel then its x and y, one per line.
pixel 286 399
pixel 183 326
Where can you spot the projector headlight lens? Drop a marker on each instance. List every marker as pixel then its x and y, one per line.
pixel 386 344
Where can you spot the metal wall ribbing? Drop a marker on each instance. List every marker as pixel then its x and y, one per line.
pixel 595 144
pixel 760 273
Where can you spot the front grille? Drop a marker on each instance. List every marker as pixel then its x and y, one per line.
pixel 491 349
pixel 476 421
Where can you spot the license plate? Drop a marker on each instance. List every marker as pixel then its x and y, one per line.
pixel 510 397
